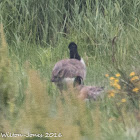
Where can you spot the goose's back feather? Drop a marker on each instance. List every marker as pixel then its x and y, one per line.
pixel 93 92
pixel 90 92
pixel 68 68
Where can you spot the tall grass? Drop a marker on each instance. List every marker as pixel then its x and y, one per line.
pixel 47 21
pixel 34 35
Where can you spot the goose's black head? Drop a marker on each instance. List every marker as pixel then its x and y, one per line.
pixel 78 81
pixel 73 51
pixel 72 46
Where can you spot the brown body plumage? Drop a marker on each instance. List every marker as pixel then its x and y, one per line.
pixel 86 92
pixel 89 92
pixel 68 68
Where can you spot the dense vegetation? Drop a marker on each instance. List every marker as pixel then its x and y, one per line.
pixel 34 35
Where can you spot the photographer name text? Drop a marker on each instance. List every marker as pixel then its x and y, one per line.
pixel 39 135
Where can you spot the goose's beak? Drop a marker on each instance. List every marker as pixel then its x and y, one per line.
pixel 54 79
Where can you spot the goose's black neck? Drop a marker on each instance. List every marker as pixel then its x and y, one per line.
pixel 73 51
pixel 74 55
pixel 78 81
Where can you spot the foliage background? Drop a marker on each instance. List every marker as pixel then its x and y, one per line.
pixel 34 35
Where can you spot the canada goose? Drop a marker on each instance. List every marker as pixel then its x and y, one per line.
pixel 66 70
pixel 86 92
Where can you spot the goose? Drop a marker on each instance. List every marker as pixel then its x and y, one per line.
pixel 65 71
pixel 86 92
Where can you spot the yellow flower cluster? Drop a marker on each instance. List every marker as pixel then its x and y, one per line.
pixel 111 78
pixel 132 74
pixel 115 82
pixel 118 75
pixel 134 77
pixel 111 94
pixel 135 90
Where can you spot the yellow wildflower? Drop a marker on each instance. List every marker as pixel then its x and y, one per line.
pixel 134 78
pixel 132 74
pixel 116 85
pixel 116 81
pixel 118 75
pixel 123 100
pixel 106 75
pixel 112 78
pixel 112 94
pixel 135 90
